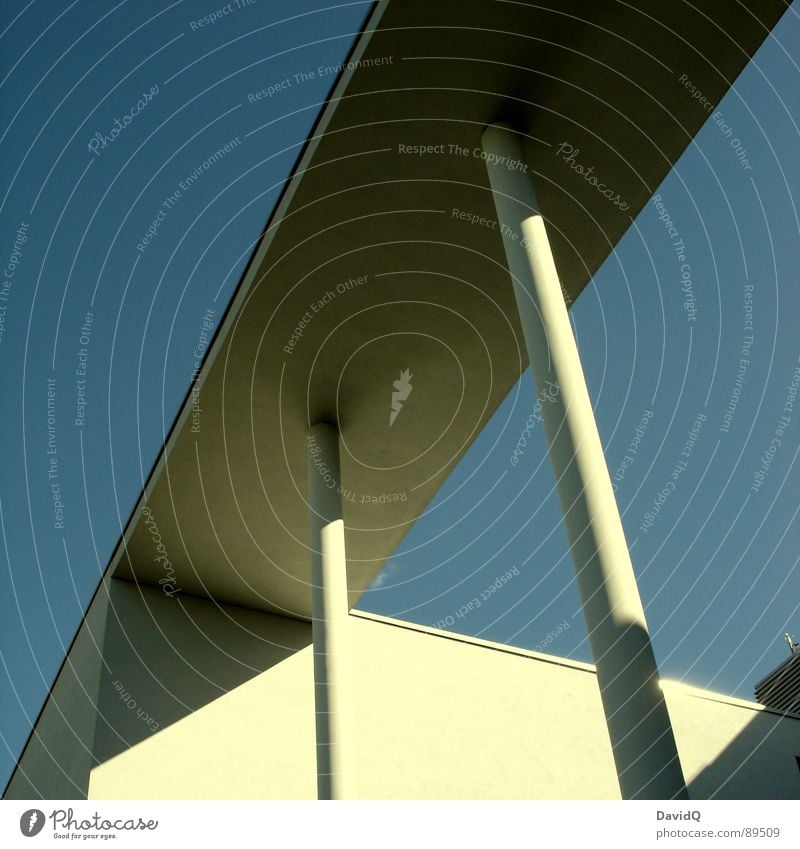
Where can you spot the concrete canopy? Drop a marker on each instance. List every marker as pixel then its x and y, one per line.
pixel 384 256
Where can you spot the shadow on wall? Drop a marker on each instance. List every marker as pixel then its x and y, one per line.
pixel 166 657
pixel 759 763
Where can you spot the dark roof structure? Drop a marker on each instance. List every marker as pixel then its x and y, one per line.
pixel 781 688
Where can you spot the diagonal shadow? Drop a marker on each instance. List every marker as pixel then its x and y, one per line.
pixel 761 762
pixel 166 657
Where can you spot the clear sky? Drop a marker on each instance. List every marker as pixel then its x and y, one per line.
pixel 121 236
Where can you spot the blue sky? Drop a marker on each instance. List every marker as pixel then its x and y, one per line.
pixel 717 566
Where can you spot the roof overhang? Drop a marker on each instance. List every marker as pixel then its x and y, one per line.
pixel 381 258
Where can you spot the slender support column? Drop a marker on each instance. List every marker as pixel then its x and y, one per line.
pixel 641 734
pixel 330 610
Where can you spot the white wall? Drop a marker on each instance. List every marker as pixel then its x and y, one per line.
pixel 436 717
pixel 197 700
pixel 732 749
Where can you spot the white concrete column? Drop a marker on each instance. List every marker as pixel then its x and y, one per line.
pixel 330 611
pixel 641 735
